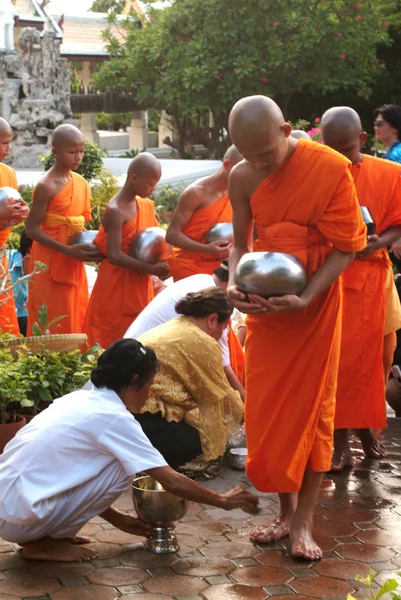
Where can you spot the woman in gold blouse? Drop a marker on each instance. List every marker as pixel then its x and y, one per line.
pixel 191 409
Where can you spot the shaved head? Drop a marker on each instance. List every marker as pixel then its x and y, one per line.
pixel 232 155
pixel 145 165
pixel 342 130
pixel 66 134
pixel 260 133
pixel 299 134
pixel 5 128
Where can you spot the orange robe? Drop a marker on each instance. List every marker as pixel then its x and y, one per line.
pixel 291 359
pixel 8 312
pixel 119 294
pixel 63 286
pixel 183 263
pixel 361 388
pixel 236 354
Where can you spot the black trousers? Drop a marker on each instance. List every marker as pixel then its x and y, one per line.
pixel 178 443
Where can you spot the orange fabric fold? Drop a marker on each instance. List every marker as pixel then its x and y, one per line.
pixel 236 354
pixel 8 312
pixel 291 360
pixel 183 263
pixel 361 386
pixel 119 294
pixel 63 286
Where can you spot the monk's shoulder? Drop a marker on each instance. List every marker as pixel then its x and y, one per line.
pixel 6 174
pixel 77 178
pixel 45 189
pixel 386 167
pixel 323 155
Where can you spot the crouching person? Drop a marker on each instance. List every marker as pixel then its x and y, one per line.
pixel 72 461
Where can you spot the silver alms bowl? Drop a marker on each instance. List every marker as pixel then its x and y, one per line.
pixel 150 246
pixel 270 274
pixel 84 237
pixel 9 193
pixel 157 506
pixel 237 458
pixel 368 220
pixel 220 232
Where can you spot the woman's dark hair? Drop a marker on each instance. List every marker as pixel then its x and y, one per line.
pixel 119 364
pixel 392 114
pixel 222 271
pixel 25 243
pixel 204 303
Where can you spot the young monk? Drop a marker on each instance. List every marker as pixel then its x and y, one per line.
pixel 361 387
pixel 61 205
pixel 302 198
pixel 203 204
pixel 124 285
pixel 11 213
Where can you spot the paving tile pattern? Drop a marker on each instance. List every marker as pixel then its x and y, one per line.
pixel 357 523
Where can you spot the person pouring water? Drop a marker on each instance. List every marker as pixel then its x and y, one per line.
pixel 73 460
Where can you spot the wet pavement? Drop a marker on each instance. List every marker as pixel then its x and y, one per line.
pixel 358 524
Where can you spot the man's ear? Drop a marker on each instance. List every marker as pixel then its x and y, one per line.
pixel 363 138
pixel 287 129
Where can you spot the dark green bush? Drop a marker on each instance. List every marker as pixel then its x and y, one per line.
pixel 90 166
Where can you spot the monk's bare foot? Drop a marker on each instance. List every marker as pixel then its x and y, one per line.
pixel 271 532
pixel 341 460
pixel 371 446
pixel 303 545
pixel 57 551
pixel 78 540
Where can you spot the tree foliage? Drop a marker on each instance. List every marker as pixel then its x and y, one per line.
pixel 194 57
pixel 103 6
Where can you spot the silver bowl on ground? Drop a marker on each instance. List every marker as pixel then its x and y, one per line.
pixel 237 439
pixel 9 193
pixel 84 237
pixel 160 508
pixel 368 220
pixel 150 245
pixel 270 274
pixel 237 458
pixel 220 232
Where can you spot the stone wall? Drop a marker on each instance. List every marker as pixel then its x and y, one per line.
pixel 34 94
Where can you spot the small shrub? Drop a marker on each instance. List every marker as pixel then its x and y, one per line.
pixel 166 200
pixel 389 589
pixel 112 121
pixel 90 166
pixel 102 192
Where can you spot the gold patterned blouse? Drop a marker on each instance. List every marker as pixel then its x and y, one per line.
pixel 191 384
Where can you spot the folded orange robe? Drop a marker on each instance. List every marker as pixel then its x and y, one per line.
pixel 361 388
pixel 291 359
pixel 8 312
pixel 183 263
pixel 63 286
pixel 236 354
pixel 119 294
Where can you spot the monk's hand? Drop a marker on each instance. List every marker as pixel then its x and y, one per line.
pixel 12 212
pixel 238 497
pixel 85 252
pixel 396 249
pixel 160 270
pixel 220 249
pixel 372 245
pixel 20 212
pixel 241 301
pixel 280 304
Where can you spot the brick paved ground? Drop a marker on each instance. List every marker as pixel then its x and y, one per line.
pixel 358 524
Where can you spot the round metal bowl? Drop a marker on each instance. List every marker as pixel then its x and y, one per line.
pixel 84 237
pixel 150 246
pixel 368 220
pixel 237 458
pixel 237 439
pixel 154 505
pixel 220 232
pixel 9 193
pixel 270 274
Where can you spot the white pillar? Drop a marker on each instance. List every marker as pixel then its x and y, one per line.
pixel 138 133
pixel 7 12
pixel 165 129
pixel 88 127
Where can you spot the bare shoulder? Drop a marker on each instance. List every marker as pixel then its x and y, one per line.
pixel 113 215
pixel 244 178
pixel 45 189
pixel 191 197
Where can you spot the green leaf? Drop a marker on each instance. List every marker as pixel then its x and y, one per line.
pixel 55 321
pixel 26 403
pixel 389 586
pixel 36 330
pixel 42 315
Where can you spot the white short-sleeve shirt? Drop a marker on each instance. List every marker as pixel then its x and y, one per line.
pixel 162 308
pixel 67 445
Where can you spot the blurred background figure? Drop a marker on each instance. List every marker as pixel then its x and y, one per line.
pixel 18 263
pixel 387 124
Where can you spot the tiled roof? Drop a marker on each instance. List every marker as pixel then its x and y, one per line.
pixel 84 33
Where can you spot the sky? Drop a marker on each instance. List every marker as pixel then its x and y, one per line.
pixel 74 7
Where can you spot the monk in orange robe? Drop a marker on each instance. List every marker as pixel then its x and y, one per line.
pixel 368 281
pixel 203 204
pixel 61 205
pixel 302 199
pixel 124 284
pixel 11 213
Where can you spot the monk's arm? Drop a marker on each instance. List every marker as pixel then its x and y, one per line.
pixel 113 221
pixel 188 203
pixel 384 240
pixel 234 381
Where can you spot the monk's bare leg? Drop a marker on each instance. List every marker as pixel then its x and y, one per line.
pixel 279 527
pixel 57 550
pixel 301 539
pixel 342 455
pixel 370 444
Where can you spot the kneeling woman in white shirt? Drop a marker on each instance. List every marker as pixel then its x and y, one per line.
pixel 72 461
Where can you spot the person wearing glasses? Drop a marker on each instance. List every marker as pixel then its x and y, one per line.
pixel 387 126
